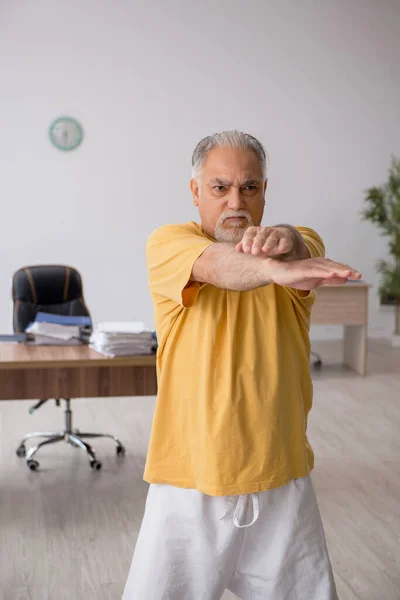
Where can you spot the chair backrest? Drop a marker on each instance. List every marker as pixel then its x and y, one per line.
pixel 53 289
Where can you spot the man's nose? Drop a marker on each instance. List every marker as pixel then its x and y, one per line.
pixel 235 200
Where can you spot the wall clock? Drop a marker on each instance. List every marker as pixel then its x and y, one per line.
pixel 66 133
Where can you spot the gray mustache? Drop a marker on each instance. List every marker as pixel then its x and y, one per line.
pixel 239 213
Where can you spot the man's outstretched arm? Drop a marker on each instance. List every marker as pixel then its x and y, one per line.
pixel 223 266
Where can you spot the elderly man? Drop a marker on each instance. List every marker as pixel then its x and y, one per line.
pixel 231 503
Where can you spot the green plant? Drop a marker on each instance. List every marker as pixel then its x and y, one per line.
pixel 383 209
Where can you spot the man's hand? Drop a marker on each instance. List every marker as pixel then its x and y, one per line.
pixel 280 242
pixel 310 273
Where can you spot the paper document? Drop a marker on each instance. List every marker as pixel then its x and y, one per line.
pixel 121 327
pixel 53 330
pixel 122 338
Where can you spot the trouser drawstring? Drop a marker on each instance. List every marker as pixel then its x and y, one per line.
pixel 240 509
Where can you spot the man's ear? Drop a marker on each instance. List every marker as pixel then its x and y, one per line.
pixel 194 187
pixel 265 185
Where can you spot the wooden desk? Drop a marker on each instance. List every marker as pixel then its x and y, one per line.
pixel 346 305
pixel 39 372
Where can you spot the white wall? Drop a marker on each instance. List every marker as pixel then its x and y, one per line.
pixel 317 82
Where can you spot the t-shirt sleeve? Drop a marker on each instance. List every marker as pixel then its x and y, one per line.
pixel 302 300
pixel 171 252
pixel 313 242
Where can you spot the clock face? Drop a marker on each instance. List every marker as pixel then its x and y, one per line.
pixel 66 133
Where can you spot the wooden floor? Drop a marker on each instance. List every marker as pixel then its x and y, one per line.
pixel 68 532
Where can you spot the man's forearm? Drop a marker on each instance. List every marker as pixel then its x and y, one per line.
pixel 222 266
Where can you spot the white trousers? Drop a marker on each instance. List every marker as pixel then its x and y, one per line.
pixel 265 546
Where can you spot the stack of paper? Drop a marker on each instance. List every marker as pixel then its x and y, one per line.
pixel 53 334
pixel 122 339
pixel 57 330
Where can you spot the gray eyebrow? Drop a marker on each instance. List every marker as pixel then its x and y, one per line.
pixel 227 183
pixel 219 181
pixel 251 181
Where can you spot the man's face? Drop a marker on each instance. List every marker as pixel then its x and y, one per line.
pixel 229 193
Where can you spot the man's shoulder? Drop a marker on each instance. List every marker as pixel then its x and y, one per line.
pixel 167 232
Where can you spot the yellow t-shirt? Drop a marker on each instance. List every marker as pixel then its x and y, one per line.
pixel 233 373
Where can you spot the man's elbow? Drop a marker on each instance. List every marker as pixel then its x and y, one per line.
pixel 201 270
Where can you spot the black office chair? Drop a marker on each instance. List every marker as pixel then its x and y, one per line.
pixel 57 290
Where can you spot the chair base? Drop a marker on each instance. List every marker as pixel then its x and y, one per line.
pixel 73 437
pixel 317 363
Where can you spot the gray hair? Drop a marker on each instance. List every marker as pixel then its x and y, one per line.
pixel 228 139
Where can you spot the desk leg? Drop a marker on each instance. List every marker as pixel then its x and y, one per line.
pixel 355 348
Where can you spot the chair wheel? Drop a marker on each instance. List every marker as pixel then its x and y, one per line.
pixel 21 451
pixel 96 464
pixel 318 364
pixel 33 465
pixel 121 451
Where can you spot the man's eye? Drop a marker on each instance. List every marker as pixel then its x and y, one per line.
pixel 219 188
pixel 250 188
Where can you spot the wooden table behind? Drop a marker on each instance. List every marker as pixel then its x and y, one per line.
pixel 346 305
pixel 39 372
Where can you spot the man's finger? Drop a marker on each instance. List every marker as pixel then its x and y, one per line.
pixel 271 243
pixel 345 272
pixel 284 246
pixel 247 241
pixel 334 281
pixel 354 275
pixel 339 268
pixel 318 272
pixel 260 240
pixel 239 247
pixel 330 276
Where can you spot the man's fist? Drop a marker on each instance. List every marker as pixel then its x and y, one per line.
pixel 273 242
